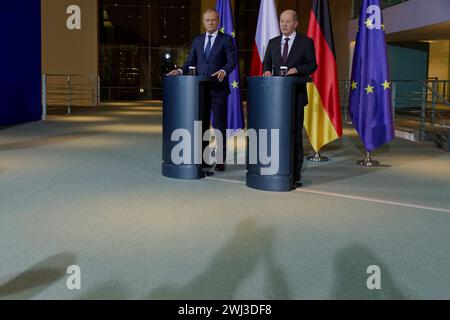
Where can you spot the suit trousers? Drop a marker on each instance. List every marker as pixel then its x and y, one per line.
pixel 218 105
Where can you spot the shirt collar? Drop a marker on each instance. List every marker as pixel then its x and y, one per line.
pixel 213 34
pixel 291 36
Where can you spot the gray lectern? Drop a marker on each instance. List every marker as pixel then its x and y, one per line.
pixel 182 106
pixel 271 105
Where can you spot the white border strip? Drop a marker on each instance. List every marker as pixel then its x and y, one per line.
pixel 225 180
pixel 373 200
pixel 345 196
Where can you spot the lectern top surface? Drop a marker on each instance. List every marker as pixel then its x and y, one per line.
pixel 279 78
pixel 198 78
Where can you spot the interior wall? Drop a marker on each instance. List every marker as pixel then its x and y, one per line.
pixel 341 12
pixel 403 55
pixel 67 51
pixel 439 60
pixel 20 57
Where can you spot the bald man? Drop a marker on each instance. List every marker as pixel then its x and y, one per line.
pixel 296 52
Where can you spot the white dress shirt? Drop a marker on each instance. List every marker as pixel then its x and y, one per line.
pixel 290 43
pixel 213 39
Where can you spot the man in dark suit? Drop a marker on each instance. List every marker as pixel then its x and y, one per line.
pixel 213 54
pixel 296 52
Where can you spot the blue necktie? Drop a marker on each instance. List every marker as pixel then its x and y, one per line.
pixel 208 48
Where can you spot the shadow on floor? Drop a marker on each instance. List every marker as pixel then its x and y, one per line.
pixel 40 276
pixel 350 277
pixel 338 171
pixel 240 256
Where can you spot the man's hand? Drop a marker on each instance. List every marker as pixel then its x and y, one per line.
pixel 220 75
pixel 267 74
pixel 292 71
pixel 174 73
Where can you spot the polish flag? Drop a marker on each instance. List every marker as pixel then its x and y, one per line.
pixel 267 29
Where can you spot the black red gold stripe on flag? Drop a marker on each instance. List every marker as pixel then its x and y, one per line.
pixel 323 121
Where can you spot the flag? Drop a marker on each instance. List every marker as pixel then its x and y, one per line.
pixel 370 93
pixel 323 121
pixel 268 28
pixel 235 113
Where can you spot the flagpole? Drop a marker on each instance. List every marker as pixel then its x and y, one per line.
pixel 323 121
pixel 370 99
pixel 368 161
pixel 317 157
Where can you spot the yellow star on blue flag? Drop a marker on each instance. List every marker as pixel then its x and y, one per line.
pixel 368 23
pixel 369 89
pixel 370 105
pixel 235 119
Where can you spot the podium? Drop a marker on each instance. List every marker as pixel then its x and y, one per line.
pixel 182 106
pixel 271 105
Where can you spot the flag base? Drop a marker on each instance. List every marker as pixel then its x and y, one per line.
pixel 317 157
pixel 368 162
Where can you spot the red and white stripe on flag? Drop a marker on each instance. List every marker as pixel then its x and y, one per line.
pixel 267 29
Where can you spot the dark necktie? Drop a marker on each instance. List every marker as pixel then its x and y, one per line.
pixel 208 48
pixel 284 59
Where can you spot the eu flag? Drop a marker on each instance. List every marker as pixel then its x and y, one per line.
pixel 235 114
pixel 370 93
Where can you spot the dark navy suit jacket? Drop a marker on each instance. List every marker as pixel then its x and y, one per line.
pixel 302 57
pixel 223 57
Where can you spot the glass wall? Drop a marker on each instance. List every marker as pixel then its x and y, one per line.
pixel 142 39
pixel 246 19
pixel 139 41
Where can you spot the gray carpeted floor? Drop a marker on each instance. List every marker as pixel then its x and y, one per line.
pixel 86 190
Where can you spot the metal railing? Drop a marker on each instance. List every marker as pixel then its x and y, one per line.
pixel 439 119
pixel 420 107
pixel 69 90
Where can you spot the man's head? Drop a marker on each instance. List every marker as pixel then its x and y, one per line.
pixel 288 22
pixel 211 20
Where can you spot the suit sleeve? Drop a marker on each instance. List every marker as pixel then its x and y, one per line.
pixel 231 56
pixel 191 60
pixel 267 63
pixel 310 64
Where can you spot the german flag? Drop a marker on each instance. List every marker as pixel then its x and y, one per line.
pixel 323 120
